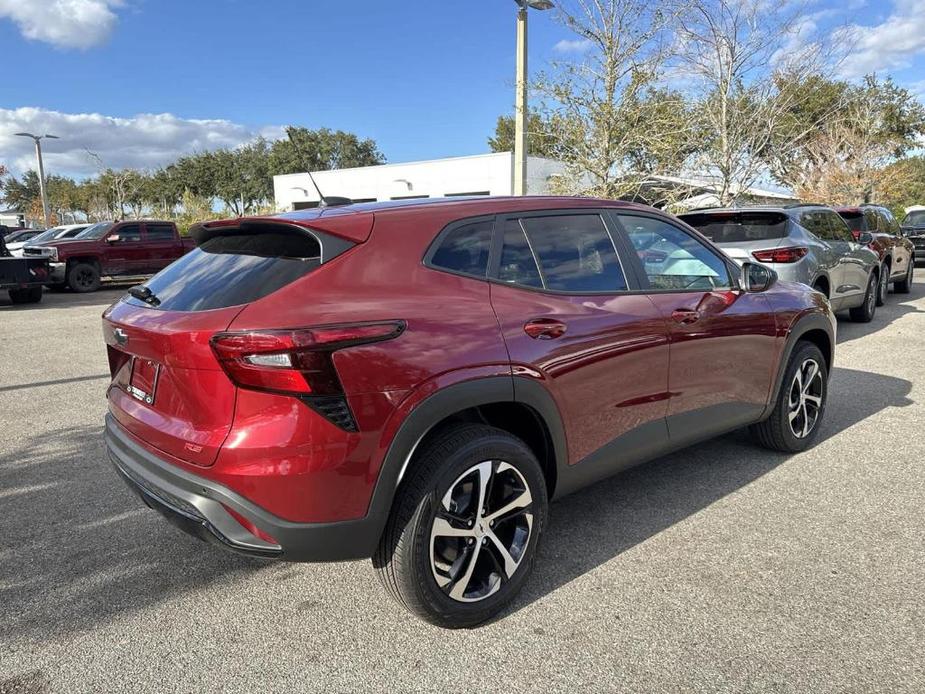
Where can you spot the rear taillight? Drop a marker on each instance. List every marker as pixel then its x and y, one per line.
pixel 781 255
pixel 298 362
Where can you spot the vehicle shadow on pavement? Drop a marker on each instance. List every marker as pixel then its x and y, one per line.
pixel 108 294
pixel 593 526
pixel 896 307
pixel 78 548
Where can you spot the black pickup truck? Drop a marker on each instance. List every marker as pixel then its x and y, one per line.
pixel 23 278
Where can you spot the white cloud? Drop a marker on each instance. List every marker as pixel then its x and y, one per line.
pixel 893 44
pixel 576 46
pixel 63 23
pixel 145 141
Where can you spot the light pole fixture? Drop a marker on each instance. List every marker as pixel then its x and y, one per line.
pixel 520 102
pixel 38 156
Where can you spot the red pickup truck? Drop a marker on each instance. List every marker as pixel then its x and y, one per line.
pixel 111 249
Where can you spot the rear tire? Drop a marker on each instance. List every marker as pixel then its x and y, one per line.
pixel 883 285
pixel 865 312
pixel 83 277
pixel 795 421
pixel 904 286
pixel 438 557
pixel 31 295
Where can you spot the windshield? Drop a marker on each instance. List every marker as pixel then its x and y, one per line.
pixel 915 218
pixel 96 231
pixel 47 235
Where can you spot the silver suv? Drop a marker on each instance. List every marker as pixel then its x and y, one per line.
pixel 810 244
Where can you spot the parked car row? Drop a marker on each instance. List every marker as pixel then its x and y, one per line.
pixel 81 255
pixel 851 255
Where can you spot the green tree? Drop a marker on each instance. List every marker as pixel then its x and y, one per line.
pixel 541 136
pixel 321 150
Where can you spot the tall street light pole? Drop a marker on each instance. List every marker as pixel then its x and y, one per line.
pixel 38 156
pixel 520 103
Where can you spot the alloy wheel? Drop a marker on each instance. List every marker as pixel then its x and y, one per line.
pixel 884 284
pixel 805 401
pixel 84 278
pixel 481 531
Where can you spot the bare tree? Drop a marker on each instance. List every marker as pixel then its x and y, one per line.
pixel 605 107
pixel 740 59
pixel 122 186
pixel 849 162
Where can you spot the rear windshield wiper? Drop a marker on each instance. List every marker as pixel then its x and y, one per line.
pixel 139 291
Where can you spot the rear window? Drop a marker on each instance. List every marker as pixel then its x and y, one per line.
pixel 234 268
pixel 854 220
pixel 739 227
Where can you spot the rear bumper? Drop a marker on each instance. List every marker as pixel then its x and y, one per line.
pixel 200 507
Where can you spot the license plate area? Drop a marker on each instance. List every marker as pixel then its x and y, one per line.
pixel 143 381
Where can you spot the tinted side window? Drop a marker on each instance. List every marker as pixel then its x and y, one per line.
pixel 518 264
pixel 129 233
pixel 892 226
pixel 465 249
pixel 814 222
pixel 673 259
pixel 160 232
pixel 839 230
pixel 575 253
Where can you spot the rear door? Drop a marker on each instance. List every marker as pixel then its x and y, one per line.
pixel 855 258
pixel 570 319
pixel 831 251
pixel 902 249
pixel 162 246
pixel 125 251
pixel 723 340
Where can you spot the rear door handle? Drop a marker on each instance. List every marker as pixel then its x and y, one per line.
pixel 685 316
pixel 544 328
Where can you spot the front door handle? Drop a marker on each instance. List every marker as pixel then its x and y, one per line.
pixel 544 328
pixel 685 316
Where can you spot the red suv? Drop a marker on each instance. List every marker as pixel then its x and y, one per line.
pixel 414 381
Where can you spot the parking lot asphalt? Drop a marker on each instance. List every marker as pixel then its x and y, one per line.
pixel 720 568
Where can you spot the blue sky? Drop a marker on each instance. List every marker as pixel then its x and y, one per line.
pixel 425 79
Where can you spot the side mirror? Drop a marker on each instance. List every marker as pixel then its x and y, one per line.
pixel 865 238
pixel 113 239
pixel 757 278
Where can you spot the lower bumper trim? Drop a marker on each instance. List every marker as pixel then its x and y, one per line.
pixel 201 507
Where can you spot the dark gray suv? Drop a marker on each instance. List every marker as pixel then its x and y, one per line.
pixel 810 244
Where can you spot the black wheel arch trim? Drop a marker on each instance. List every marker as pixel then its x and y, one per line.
pixel 816 320
pixel 444 404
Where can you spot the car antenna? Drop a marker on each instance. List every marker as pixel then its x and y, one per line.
pixel 327 201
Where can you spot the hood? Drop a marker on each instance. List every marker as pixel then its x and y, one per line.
pixel 61 242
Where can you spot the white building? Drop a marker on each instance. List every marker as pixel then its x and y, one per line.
pixel 483 174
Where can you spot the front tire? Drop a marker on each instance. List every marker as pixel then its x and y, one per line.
pixel 904 286
pixel 462 537
pixel 865 312
pixel 794 423
pixel 83 277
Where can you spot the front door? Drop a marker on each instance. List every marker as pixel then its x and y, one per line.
pixel 570 320
pixel 723 340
